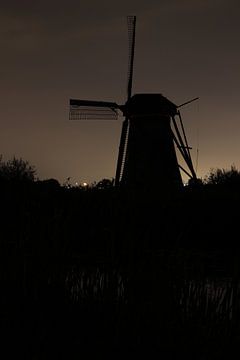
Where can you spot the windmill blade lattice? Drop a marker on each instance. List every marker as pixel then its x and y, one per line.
pixel 92 110
pixel 131 38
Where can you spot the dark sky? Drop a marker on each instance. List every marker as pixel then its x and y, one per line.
pixel 55 50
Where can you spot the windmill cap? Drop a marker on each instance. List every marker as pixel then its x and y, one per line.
pixel 150 104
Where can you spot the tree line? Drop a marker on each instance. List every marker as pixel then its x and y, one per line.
pixel 18 169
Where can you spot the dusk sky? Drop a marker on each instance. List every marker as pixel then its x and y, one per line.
pixel 52 51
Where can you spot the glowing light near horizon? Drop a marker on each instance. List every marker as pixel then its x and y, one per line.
pixel 84 184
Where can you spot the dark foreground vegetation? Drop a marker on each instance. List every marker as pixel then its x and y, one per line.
pixel 100 272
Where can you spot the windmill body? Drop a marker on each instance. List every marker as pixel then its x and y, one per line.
pixel 150 153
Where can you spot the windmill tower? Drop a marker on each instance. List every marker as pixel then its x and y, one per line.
pixel 151 131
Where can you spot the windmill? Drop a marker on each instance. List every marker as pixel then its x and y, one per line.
pixel 151 131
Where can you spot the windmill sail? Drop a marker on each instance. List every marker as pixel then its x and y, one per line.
pixel 131 38
pixel 125 126
pixel 92 110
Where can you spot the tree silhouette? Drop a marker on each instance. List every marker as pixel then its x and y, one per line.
pixel 17 170
pixel 105 184
pixel 223 176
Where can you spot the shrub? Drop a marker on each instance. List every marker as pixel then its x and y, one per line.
pixel 17 170
pixel 223 176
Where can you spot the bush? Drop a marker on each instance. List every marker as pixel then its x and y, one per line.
pixel 223 177
pixel 17 170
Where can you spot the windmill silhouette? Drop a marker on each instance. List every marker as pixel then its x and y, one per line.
pixel 151 127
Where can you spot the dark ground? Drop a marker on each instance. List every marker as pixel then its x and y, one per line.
pixel 104 273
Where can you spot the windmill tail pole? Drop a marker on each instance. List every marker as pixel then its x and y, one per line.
pixel 187 102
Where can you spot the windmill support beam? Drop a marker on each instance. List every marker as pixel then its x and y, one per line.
pixel 180 147
pixel 184 134
pixel 184 147
pixel 185 171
